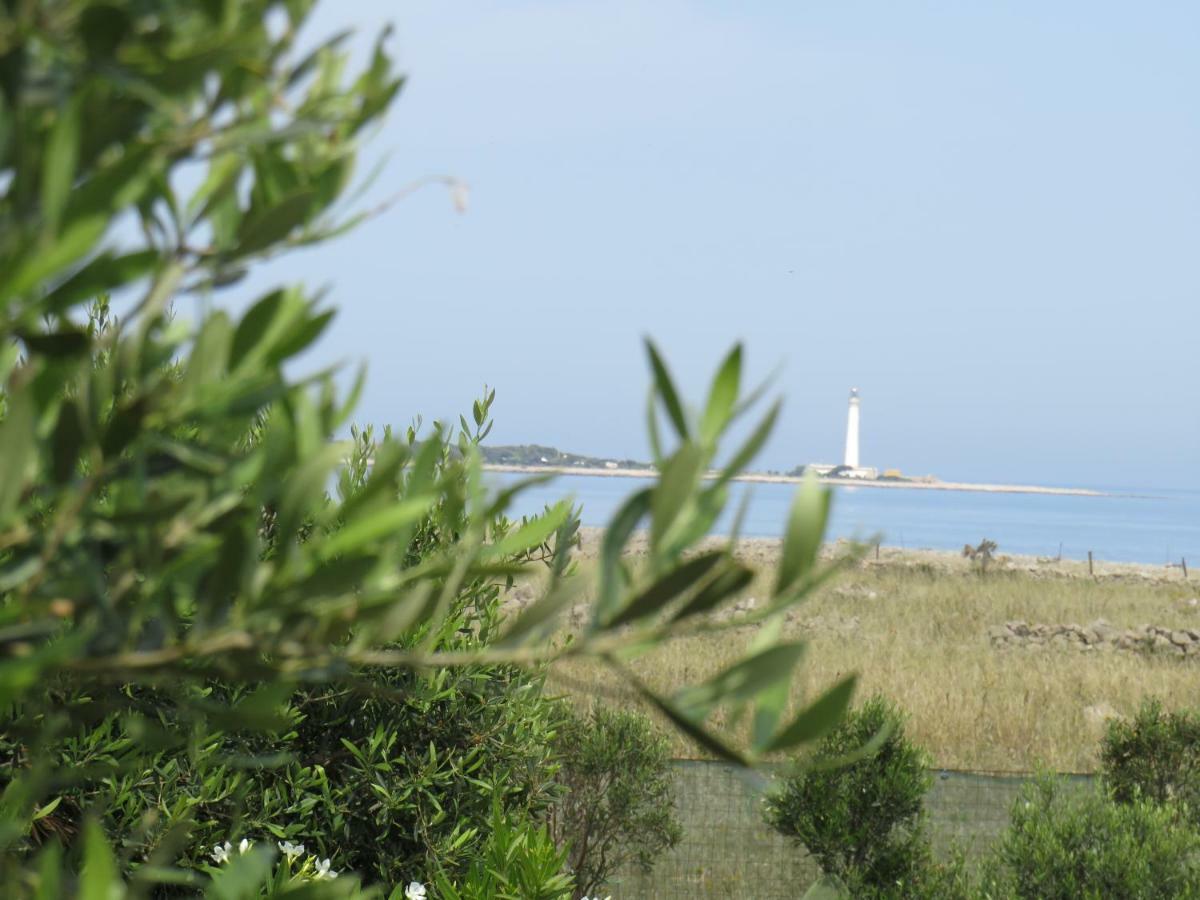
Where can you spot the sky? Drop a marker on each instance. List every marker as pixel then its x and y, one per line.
pixel 985 216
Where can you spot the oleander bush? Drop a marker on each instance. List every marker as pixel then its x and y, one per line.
pixel 518 861
pixel 617 803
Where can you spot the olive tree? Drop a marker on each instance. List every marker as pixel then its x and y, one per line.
pixel 165 518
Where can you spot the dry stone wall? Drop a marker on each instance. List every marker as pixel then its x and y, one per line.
pixel 1098 636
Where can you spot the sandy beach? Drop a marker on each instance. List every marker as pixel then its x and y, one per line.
pixel 761 477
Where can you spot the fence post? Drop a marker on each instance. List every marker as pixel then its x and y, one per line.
pixel 1183 562
pixel 1090 570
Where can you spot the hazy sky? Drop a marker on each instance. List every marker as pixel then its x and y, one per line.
pixel 986 216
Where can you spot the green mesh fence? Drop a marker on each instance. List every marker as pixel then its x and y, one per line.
pixel 728 851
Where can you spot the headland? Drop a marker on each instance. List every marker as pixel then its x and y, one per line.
pixel 771 478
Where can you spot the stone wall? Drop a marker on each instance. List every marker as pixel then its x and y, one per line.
pixel 1098 636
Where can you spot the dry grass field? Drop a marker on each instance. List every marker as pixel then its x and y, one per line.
pixel 915 626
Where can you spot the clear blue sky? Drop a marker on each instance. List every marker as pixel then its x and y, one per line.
pixel 984 215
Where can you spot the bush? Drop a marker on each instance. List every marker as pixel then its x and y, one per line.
pixel 1156 756
pixel 864 822
pixel 1066 845
pixel 618 804
pixel 519 861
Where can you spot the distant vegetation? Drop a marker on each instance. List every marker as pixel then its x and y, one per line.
pixel 539 455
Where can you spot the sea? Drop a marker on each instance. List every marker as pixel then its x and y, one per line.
pixel 1139 525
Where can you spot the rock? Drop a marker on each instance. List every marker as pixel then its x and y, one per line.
pixel 1180 638
pixel 998 633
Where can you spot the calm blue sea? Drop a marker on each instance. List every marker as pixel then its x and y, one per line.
pixel 1142 525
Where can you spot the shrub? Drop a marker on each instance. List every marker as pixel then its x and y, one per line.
pixel 1156 756
pixel 519 861
pixel 618 803
pixel 863 821
pixel 1066 845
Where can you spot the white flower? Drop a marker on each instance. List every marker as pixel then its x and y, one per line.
pixel 220 852
pixel 323 870
pixel 244 845
pixel 415 891
pixel 290 850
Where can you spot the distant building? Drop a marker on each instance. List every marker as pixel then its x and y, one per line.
pixel 850 460
pixel 610 464
pixel 850 467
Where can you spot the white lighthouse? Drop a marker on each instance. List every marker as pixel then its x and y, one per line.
pixel 851 459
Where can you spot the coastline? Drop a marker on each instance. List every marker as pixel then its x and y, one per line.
pixel 763 552
pixel 763 478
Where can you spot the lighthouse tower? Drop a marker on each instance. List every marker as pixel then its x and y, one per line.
pixel 851 459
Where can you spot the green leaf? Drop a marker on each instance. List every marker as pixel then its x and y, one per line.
pixel 727 584
pixel 99 868
pixel 254 331
pixel 675 487
pixel 206 365
pixel 742 681
pixel 50 807
pixel 667 588
pixel 69 342
pixel 262 228
pixel 68 438
pixel 79 237
pixel 124 427
pixel 533 533
pixel 805 529
pixel 616 536
pixel 49 885
pixel 532 621
pixel 750 449
pixel 17 449
pixel 666 390
pixel 300 337
pixel 376 525
pixel 58 165
pixel 103 275
pixel 722 396
pixel 818 719
pixel 697 733
pixel 220 182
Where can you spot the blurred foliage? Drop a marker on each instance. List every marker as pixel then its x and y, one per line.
pixel 176 573
pixel 617 807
